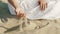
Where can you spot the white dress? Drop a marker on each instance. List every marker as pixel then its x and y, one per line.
pixel 32 9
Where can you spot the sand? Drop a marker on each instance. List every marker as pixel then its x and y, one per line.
pixel 11 25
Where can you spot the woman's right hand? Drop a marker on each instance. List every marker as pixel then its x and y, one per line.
pixel 43 4
pixel 19 13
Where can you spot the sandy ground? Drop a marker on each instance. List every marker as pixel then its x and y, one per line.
pixel 6 18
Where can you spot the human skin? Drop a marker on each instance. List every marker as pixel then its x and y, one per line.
pixel 20 12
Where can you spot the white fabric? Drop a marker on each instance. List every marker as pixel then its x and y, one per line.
pixel 32 9
pixel 11 8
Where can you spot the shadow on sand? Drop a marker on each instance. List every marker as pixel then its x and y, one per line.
pixel 5 14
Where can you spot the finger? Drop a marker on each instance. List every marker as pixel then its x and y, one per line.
pixel 46 5
pixel 18 16
pixel 17 12
pixel 41 6
pixel 22 15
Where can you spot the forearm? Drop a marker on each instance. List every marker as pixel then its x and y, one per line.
pixel 14 3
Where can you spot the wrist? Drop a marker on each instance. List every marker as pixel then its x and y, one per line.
pixel 43 1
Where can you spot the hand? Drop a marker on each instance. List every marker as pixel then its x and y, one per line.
pixel 19 12
pixel 43 4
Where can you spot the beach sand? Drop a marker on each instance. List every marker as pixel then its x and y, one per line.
pixel 11 22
